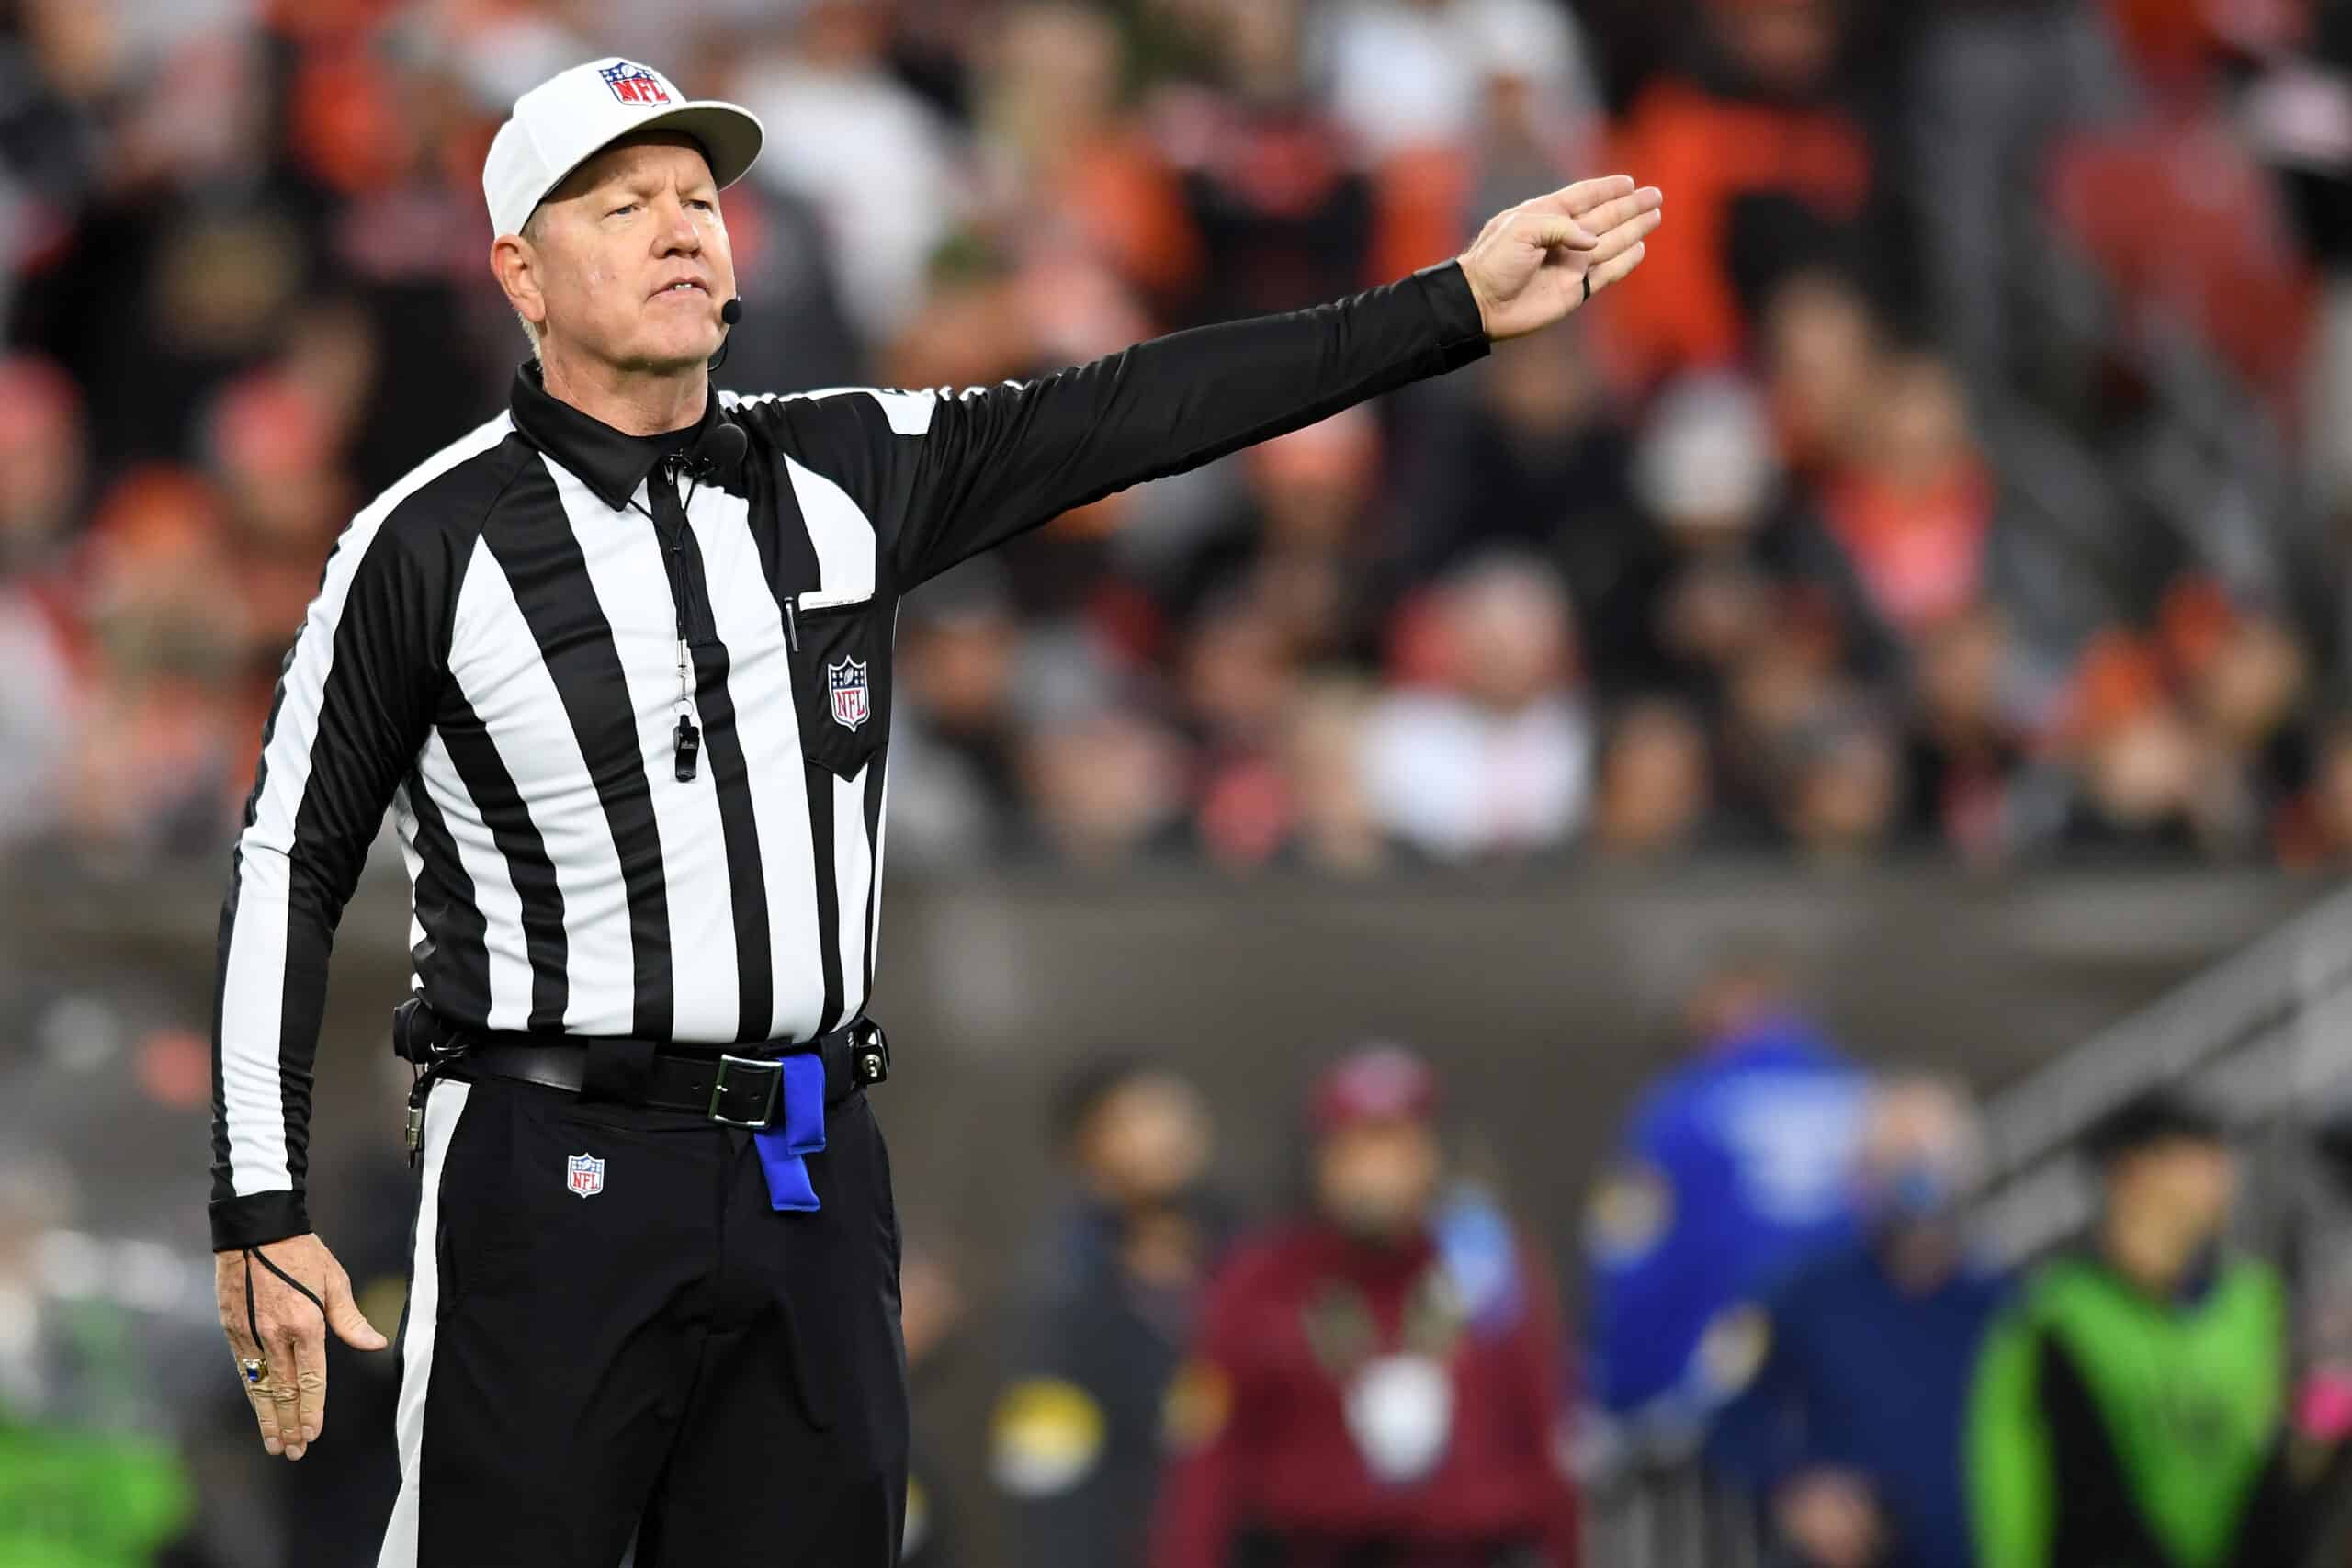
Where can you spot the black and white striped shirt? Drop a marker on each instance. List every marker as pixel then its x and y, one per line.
pixel 494 655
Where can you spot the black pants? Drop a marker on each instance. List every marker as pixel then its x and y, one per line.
pixel 665 1355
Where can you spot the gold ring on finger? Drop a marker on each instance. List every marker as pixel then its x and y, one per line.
pixel 254 1372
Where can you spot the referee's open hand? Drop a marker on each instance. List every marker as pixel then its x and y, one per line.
pixel 1529 266
pixel 284 1330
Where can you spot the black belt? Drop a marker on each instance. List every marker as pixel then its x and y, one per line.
pixel 735 1089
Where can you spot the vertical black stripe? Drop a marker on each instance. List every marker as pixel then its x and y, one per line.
pixel 532 541
pixel 499 804
pixel 827 892
pixel 875 773
pixel 452 958
pixel 747 889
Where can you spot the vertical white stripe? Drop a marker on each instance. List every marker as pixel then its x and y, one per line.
pixel 253 978
pixel 853 875
pixel 843 536
pixel 496 663
pixel 442 1111
pixel 494 892
pixel 759 677
pixel 631 582
pixel 404 828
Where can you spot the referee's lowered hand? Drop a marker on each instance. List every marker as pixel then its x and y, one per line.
pixel 1529 266
pixel 271 1321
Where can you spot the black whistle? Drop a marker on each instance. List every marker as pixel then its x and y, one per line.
pixel 689 748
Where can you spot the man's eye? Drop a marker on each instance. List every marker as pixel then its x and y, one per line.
pixel 705 205
pixel 624 208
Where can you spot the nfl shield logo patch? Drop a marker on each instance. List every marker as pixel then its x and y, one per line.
pixel 846 681
pixel 634 84
pixel 585 1175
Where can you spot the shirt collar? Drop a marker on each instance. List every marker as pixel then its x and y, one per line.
pixel 612 463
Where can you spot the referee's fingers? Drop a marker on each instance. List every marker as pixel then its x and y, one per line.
pixel 256 1394
pixel 1575 200
pixel 302 1395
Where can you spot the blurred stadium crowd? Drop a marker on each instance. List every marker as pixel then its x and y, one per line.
pixel 1966 474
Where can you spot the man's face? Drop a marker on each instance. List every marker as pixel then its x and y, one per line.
pixel 1377 1179
pixel 2167 1203
pixel 631 258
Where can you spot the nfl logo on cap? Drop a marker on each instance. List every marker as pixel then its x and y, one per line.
pixel 575 113
pixel 585 1175
pixel 633 84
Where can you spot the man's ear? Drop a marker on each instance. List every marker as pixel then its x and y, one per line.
pixel 515 263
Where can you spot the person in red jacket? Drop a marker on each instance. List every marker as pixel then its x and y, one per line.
pixel 1376 1385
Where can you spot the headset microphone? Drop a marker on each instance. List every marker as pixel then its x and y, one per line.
pixel 731 312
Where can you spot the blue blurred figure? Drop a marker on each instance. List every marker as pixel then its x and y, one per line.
pixel 1850 1435
pixel 1734 1172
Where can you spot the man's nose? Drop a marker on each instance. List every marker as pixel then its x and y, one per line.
pixel 678 234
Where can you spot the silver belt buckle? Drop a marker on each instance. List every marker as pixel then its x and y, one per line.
pixel 775 1071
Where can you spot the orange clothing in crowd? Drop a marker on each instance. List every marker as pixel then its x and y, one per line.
pixel 1709 152
pixel 1919 553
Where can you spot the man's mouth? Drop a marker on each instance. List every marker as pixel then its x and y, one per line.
pixel 683 283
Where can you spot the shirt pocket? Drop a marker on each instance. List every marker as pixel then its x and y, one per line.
pixel 840 679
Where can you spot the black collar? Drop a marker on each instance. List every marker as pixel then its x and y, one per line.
pixel 612 463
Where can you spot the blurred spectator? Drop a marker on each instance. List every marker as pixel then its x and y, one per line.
pixel 1085 175
pixel 1913 507
pixel 2132 1408
pixel 1334 827
pixel 1075 1443
pixel 958 653
pixel 1747 576
pixel 1499 756
pixel 1734 1170
pixel 1970 736
pixel 843 132
pixel 1656 791
pixel 1356 1397
pixel 1838 787
pixel 1767 173
pixel 156 763
pixel 1534 458
pixel 1406 73
pixel 1822 359
pixel 1285 211
pixel 1851 1433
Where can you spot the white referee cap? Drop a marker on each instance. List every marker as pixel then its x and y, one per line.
pixel 573 115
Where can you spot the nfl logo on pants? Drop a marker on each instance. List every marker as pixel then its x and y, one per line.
pixel 585 1175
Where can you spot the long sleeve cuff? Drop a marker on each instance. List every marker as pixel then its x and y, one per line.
pixel 256 1218
pixel 1453 310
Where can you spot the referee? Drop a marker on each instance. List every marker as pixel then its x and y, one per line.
pixel 618 661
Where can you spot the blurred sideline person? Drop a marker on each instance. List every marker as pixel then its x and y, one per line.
pixel 1734 1170
pixel 1851 1434
pixel 2131 1410
pixel 1075 1442
pixel 1354 1401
